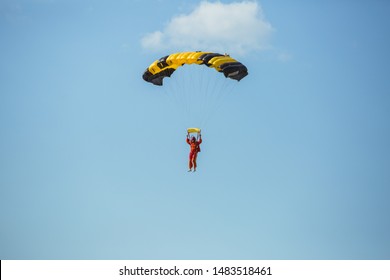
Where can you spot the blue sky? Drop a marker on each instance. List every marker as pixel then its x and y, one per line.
pixel 93 160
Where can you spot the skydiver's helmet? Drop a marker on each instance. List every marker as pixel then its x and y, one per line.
pixel 193 139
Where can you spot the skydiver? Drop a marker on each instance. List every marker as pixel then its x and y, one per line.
pixel 195 149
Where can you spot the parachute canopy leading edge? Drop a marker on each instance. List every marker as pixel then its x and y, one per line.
pixel 165 66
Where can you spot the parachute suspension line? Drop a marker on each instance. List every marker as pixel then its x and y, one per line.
pixel 187 92
pixel 181 90
pixel 199 93
pixel 191 94
pixel 211 80
pixel 227 87
pixel 211 94
pixel 173 88
pixel 197 83
pixel 204 90
pixel 202 77
pixel 203 86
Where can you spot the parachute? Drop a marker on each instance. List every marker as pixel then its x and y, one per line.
pixel 165 66
pixel 197 90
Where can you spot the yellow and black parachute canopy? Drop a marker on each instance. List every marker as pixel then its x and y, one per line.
pixel 165 66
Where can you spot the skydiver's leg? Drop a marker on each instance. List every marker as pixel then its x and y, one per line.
pixel 190 164
pixel 194 160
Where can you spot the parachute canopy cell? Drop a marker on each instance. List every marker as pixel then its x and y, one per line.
pixel 165 66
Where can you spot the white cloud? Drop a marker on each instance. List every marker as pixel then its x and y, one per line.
pixel 238 27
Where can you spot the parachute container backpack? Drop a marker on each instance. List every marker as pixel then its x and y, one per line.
pixel 196 90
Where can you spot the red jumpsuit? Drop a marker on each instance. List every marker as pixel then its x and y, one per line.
pixel 193 152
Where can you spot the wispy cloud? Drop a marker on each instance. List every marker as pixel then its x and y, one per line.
pixel 238 27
